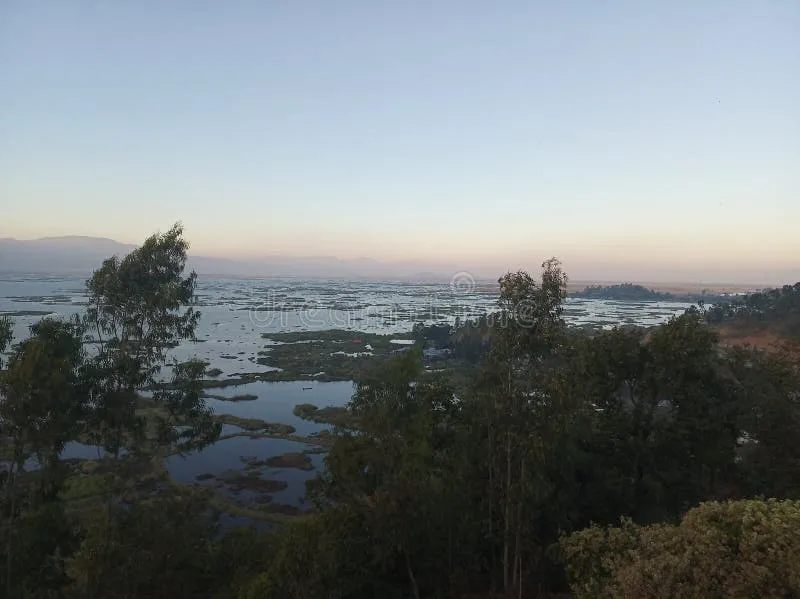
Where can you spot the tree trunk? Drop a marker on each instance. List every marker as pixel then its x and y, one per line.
pixel 411 579
pixel 493 567
pixel 507 529
pixel 518 539
pixel 10 527
pixel 11 498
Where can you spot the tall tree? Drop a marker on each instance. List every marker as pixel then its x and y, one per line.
pixel 6 334
pixel 139 307
pixel 42 396
pixel 529 335
pixel 393 471
pixel 768 453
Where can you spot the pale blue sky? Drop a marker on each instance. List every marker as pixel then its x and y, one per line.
pixel 494 133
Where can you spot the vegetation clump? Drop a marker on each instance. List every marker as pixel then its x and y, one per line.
pixel 301 461
pixel 255 424
pixel 329 355
pixel 232 398
pixel 251 481
pixel 336 416
pixel 731 549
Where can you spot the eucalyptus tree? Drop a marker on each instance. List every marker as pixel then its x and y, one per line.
pixel 42 397
pixel 139 307
pixel 527 341
pixel 6 334
pixel 768 452
pixel 394 471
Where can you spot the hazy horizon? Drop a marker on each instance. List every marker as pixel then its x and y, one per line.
pixel 632 141
pixel 88 252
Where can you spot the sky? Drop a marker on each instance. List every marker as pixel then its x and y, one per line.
pixel 657 138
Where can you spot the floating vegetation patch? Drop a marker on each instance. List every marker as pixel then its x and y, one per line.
pixel 241 397
pixel 26 313
pixel 239 481
pixel 334 415
pixel 255 424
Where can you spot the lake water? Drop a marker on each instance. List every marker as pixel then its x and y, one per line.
pixel 236 313
pixel 226 455
pixel 276 401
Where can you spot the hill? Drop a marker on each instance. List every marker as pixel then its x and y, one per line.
pixel 81 255
pixel 63 255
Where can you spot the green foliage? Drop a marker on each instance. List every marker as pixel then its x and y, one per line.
pixel 42 391
pixel 35 546
pixel 183 405
pixel 159 548
pixel 41 403
pixel 733 549
pixel 337 416
pixel 472 339
pixel 326 555
pixel 768 453
pixel 139 306
pixel 238 558
pixel 528 421
pixel 394 473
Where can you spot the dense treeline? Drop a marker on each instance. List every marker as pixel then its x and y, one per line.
pixel 630 292
pixel 779 308
pixel 623 292
pixel 504 484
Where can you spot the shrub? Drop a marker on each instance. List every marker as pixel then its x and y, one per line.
pixel 733 549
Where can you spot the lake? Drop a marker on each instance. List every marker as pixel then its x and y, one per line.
pixel 236 313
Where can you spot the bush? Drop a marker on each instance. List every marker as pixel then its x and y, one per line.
pixel 323 555
pixel 733 549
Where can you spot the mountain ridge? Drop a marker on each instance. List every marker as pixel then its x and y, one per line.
pixel 81 254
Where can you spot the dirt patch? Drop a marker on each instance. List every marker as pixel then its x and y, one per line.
pixel 762 339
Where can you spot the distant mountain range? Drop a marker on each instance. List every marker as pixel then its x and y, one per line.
pixel 81 255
